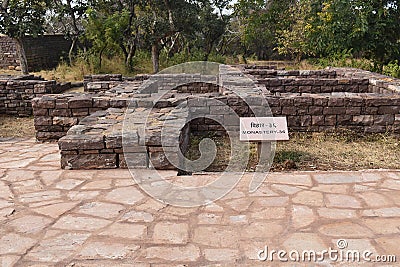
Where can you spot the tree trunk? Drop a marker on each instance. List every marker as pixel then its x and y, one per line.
pixel 155 57
pixel 128 61
pixel 71 49
pixel 22 56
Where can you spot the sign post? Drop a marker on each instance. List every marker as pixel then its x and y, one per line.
pixel 262 130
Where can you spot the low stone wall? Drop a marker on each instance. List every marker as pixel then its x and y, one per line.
pixel 316 86
pixel 103 82
pixel 273 73
pixel 198 88
pixel 203 105
pixel 366 113
pixel 56 114
pixel 378 83
pixel 310 104
pixel 16 95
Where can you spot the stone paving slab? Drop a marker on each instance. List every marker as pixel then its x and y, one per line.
pixel 53 217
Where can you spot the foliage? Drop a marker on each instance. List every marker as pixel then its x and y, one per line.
pixel 392 69
pixel 293 40
pixel 342 59
pixel 20 18
pixel 259 22
pixel 355 33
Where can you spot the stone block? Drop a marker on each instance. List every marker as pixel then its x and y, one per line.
pixel 384 120
pixel 61 112
pixel 318 120
pixel 336 102
pixel 78 102
pixel 353 110
pixel 133 160
pixel 72 142
pixel 315 110
pixel 334 110
pixel 44 102
pixel 65 121
pixel 43 121
pixel 159 161
pixel 343 120
pixel 293 121
pixel 99 102
pixel 305 121
pixel 288 110
pixel 375 129
pixel 80 112
pixel 303 101
pixel 363 120
pixel 40 112
pixel 389 110
pixel 330 120
pixel 89 161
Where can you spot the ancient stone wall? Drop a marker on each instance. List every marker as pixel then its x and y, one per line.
pixel 56 114
pixel 16 95
pixel 347 101
pixel 8 53
pixel 96 142
pixel 43 52
pixel 103 82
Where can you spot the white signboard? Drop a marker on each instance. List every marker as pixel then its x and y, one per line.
pixel 263 129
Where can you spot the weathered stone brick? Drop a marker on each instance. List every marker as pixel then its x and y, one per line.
pixel 334 110
pixel 305 121
pixel 330 120
pixel 389 110
pixel 336 102
pixel 41 120
pixel 363 120
pixel 318 120
pixel 344 120
pixel 315 110
pixel 65 121
pixel 90 161
pixel 72 142
pixel 78 102
pixel 387 119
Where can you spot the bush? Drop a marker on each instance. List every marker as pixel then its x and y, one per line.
pixel 341 60
pixel 392 69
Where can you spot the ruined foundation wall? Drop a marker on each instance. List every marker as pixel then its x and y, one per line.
pixel 16 95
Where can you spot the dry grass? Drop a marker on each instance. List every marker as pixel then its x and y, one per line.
pixel 11 126
pixel 319 151
pixel 339 151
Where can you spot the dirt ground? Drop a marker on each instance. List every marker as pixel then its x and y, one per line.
pixel 319 151
pixel 11 126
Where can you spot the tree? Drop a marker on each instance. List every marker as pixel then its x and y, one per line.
pixel 379 34
pixel 259 22
pixel 293 39
pixel 369 28
pixel 113 24
pixel 21 18
pixel 212 26
pixel 66 17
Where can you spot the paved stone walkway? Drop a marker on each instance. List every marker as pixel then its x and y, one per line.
pixel 101 218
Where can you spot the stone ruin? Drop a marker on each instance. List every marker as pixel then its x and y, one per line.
pixel 89 126
pixel 17 92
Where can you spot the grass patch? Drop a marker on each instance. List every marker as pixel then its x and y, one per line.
pixel 343 150
pixel 11 126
